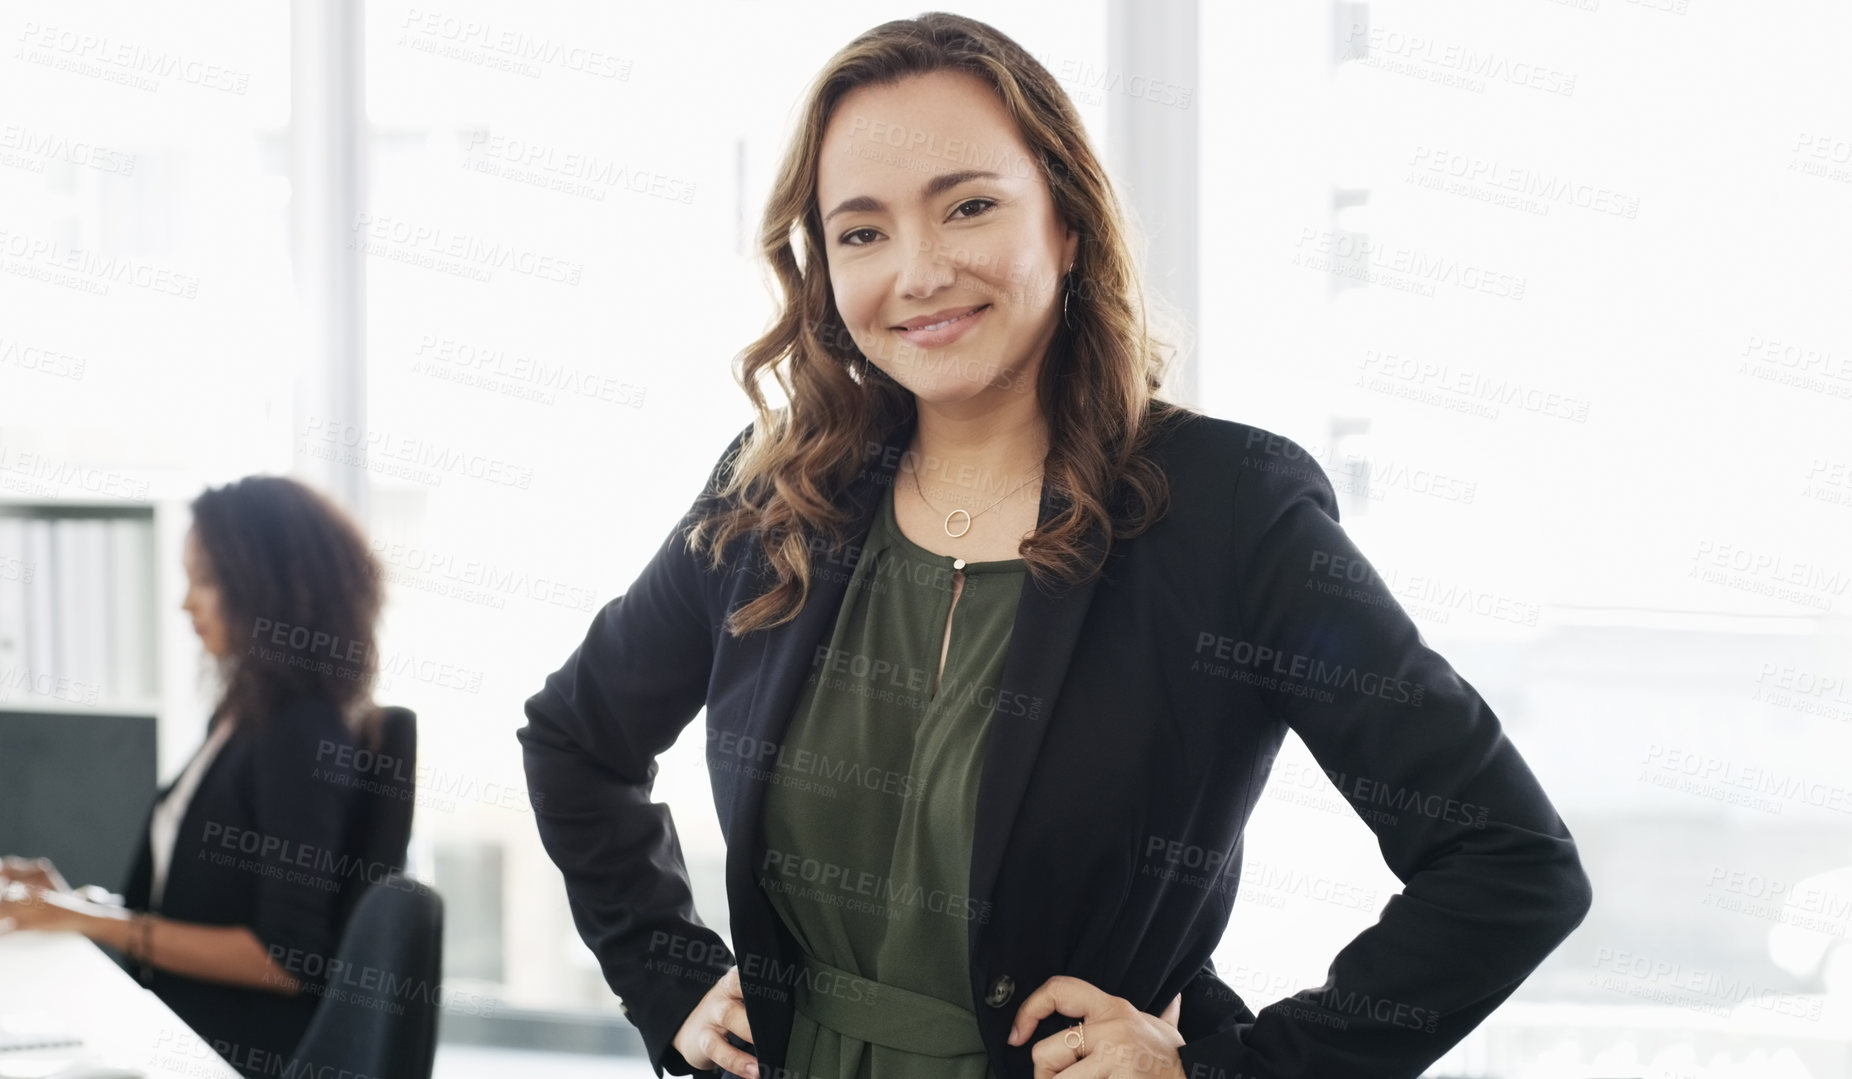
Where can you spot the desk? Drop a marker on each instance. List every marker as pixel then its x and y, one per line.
pixel 79 987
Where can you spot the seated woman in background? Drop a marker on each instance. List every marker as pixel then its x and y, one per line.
pixel 253 856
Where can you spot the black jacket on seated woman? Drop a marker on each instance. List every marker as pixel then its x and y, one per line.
pixel 266 842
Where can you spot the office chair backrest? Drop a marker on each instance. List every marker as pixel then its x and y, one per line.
pixel 378 1013
pixel 381 827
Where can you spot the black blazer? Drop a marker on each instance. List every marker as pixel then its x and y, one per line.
pixel 1144 713
pixel 264 843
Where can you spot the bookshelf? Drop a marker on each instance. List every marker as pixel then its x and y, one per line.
pixel 90 618
pixel 77 594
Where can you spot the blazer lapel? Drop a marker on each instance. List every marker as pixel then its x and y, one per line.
pixel 1041 645
pixel 784 660
pixel 784 663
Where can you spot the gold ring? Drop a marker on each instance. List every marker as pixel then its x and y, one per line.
pixel 1076 1037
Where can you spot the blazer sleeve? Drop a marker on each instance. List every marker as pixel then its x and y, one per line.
pixel 1492 880
pixel 306 818
pixel 1209 1005
pixel 590 745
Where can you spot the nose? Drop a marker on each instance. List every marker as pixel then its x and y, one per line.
pixel 926 271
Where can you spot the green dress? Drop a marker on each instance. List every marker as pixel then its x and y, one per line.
pixel 870 812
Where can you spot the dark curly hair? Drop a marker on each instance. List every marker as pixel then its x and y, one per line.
pixel 299 595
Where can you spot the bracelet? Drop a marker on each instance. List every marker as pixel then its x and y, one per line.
pixel 141 938
pixel 147 949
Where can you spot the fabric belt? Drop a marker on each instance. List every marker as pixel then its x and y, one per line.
pixel 883 1014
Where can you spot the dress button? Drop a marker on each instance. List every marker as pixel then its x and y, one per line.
pixel 1000 991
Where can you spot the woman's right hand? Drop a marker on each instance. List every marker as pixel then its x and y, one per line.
pixel 702 1041
pixel 33 873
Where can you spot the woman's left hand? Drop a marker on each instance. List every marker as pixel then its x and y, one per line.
pixel 1118 1040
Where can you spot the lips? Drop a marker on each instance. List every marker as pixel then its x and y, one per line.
pixel 941 319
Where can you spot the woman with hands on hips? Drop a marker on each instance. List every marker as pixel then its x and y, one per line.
pixel 986 632
pixel 702 1040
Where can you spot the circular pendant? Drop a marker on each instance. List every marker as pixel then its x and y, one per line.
pixel 948 524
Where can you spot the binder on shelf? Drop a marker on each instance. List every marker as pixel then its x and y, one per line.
pixel 87 635
pixel 131 610
pixel 16 571
pixel 41 607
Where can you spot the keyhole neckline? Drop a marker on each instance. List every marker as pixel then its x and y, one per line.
pixel 951 562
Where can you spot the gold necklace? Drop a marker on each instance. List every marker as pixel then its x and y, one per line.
pixel 968 515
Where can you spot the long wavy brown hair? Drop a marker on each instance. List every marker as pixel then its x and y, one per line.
pixel 282 555
pixel 1097 387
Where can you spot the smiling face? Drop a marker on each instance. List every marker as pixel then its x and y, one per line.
pixel 945 253
pixel 202 598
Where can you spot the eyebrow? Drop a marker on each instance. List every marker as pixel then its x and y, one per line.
pixel 939 184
